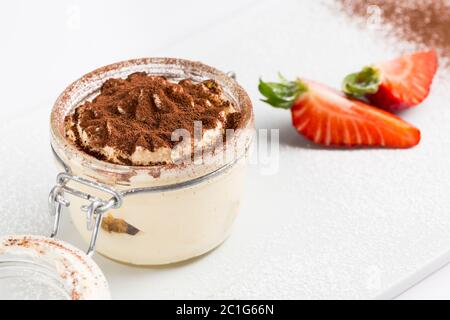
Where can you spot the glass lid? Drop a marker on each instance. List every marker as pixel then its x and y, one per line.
pixel 36 267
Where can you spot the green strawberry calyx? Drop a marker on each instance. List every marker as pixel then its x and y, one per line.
pixel 360 84
pixel 282 94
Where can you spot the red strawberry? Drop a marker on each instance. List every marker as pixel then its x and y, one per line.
pixel 397 84
pixel 325 116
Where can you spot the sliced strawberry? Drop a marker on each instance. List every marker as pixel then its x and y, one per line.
pixel 397 84
pixel 325 116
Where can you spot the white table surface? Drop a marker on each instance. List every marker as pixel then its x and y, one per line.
pixel 319 233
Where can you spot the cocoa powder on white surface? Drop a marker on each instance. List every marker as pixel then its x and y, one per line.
pixel 424 22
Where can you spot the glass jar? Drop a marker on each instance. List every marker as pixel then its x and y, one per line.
pixel 169 213
pixel 40 268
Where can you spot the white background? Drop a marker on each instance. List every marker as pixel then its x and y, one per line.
pixel 329 224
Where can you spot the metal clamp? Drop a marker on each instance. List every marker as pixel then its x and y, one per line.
pixel 94 210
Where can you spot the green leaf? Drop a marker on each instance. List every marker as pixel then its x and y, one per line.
pixel 359 84
pixel 281 94
pixel 282 78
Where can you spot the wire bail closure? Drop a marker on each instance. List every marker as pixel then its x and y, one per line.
pixel 94 210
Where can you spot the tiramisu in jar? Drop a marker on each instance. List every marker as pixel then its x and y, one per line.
pixel 168 140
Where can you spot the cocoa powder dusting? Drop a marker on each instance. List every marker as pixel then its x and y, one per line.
pixel 425 22
pixel 144 111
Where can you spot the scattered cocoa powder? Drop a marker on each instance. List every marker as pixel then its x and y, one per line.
pixel 425 22
pixel 144 110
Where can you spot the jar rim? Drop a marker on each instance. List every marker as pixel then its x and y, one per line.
pixel 77 274
pixel 83 88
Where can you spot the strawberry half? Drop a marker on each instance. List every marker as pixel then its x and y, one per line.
pixel 397 84
pixel 327 117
